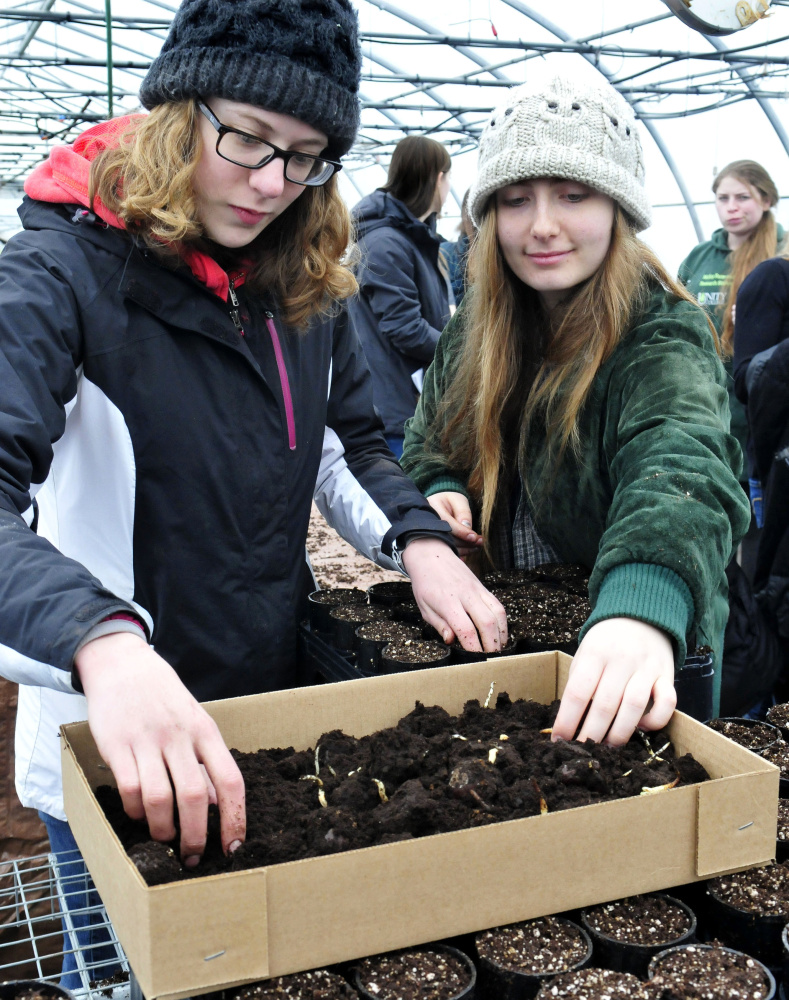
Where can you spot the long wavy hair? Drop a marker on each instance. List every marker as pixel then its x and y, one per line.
pixel 519 363
pixel 146 180
pixel 416 163
pixel 760 244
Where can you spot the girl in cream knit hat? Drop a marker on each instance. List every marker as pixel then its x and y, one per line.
pixel 576 408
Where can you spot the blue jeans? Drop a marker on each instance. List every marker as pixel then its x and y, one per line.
pixel 395 445
pixel 92 933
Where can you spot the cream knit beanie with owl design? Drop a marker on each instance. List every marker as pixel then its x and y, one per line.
pixel 569 129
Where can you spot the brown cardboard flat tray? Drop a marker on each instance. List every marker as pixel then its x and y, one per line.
pixel 194 936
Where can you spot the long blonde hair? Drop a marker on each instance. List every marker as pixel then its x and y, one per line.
pixel 514 352
pixel 146 180
pixel 760 244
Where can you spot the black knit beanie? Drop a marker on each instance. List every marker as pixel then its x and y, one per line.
pixel 296 57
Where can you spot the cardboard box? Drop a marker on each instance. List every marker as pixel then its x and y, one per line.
pixel 194 936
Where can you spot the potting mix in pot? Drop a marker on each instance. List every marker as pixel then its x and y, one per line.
pixel 539 947
pixel 319 984
pixel 434 972
pixel 708 972
pixel 432 773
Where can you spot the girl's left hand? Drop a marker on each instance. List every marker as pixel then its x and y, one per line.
pixel 622 677
pixel 452 599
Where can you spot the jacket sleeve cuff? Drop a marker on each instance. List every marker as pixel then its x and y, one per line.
pixel 652 594
pixel 446 485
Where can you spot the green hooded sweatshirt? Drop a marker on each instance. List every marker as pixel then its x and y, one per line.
pixel 651 501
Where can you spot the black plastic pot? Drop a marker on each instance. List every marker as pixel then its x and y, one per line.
pixel 528 645
pixel 390 592
pixel 785 945
pixel 389 664
pixel 466 994
pixel 693 684
pixel 343 631
pixel 768 976
pixel 759 935
pixel 368 651
pixel 321 607
pixel 10 990
pixel 625 956
pixel 752 723
pixel 498 983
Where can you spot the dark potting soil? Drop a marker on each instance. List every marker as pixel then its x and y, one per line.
pixel 778 715
pixel 535 947
pixel 414 650
pixel 696 972
pixel 749 736
pixel 320 984
pixel 384 630
pixel 640 920
pixel 762 890
pixel 339 595
pixel 415 974
pixel 358 613
pixel 594 984
pixel 783 819
pixel 778 754
pixel 432 773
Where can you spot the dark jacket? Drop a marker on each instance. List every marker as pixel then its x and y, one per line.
pixel 650 501
pixel 762 322
pixel 174 461
pixel 765 387
pixel 403 302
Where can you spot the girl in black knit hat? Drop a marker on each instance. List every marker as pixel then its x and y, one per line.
pixel 179 380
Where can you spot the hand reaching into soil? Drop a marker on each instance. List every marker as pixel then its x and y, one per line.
pixel 454 509
pixel 155 738
pixel 623 673
pixel 452 599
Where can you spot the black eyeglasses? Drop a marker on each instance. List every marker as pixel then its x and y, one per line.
pixel 251 152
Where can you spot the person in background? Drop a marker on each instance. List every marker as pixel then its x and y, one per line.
pixel 403 299
pixel 576 408
pixel 456 254
pixel 761 381
pixel 179 380
pixel 714 270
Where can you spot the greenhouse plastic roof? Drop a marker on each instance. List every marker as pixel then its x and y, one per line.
pixel 439 67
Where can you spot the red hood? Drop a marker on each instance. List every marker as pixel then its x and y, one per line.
pixel 64 178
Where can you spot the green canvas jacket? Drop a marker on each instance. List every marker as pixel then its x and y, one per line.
pixel 651 503
pixel 705 274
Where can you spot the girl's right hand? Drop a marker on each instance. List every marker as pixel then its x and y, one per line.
pixel 161 745
pixel 455 510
